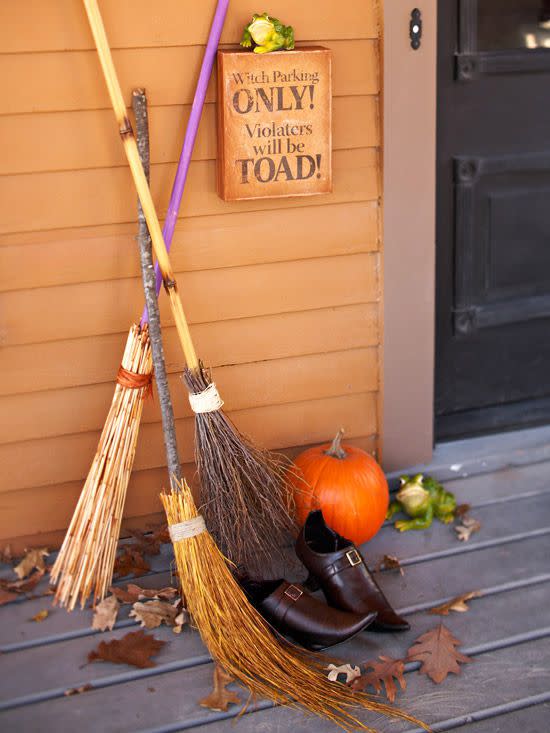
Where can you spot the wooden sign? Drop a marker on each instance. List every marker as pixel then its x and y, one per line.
pixel 274 123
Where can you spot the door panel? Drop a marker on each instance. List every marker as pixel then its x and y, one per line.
pixel 493 217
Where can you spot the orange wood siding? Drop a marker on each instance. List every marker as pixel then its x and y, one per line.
pixel 283 295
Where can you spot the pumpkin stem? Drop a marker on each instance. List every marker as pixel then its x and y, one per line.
pixel 336 450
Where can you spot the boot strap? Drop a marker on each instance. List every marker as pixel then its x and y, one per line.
pixel 351 558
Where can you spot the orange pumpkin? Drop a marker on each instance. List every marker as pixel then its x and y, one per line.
pixel 347 484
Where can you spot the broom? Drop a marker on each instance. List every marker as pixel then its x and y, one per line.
pixel 233 631
pixel 86 559
pixel 246 492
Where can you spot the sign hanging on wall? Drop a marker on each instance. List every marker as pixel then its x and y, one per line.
pixel 274 123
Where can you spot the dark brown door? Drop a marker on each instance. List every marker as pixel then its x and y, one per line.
pixel 493 216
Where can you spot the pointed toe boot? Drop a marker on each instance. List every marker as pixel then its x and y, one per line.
pixel 337 567
pixel 290 609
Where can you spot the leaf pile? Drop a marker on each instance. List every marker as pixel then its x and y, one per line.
pixel 136 649
pixel 10 589
pixel 383 673
pixel 436 650
pixel 437 653
pixel 220 698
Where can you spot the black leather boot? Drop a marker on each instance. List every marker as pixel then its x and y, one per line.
pixel 338 568
pixel 290 609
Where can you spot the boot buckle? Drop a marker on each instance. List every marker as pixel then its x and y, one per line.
pixel 293 592
pixel 354 558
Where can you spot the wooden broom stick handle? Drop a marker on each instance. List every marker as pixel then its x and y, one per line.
pixel 140 181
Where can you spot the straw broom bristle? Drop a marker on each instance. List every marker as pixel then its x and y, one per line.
pixel 240 640
pixel 86 559
pixel 246 496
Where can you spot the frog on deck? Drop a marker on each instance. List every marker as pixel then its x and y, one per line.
pixel 422 498
pixel 268 33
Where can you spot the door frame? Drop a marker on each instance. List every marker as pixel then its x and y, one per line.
pixel 409 105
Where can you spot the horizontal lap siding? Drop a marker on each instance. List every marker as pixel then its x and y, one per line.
pixel 283 296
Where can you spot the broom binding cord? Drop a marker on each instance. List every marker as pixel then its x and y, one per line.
pixel 208 400
pixel 188 528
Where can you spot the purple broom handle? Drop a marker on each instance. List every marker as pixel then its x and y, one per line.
pixel 190 135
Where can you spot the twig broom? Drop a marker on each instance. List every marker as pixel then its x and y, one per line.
pixel 246 493
pixel 233 631
pixel 86 559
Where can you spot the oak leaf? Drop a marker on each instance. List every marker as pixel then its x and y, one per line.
pixel 350 672
pixel 467 528
pixel 390 562
pixel 382 673
pixel 220 698
pixel 78 690
pixel 25 584
pixel 436 651
pixel 458 604
pixel 134 593
pixel 40 616
pixel 130 562
pixel 34 559
pixel 461 510
pixel 135 648
pixel 105 614
pixel 152 614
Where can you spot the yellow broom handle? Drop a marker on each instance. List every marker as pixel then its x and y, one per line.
pixel 140 181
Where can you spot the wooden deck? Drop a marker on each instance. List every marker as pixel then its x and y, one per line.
pixel 507 631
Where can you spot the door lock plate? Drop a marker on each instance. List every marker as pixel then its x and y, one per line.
pixel 415 29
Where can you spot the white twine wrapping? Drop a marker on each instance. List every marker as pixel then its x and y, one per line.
pixel 208 400
pixel 189 528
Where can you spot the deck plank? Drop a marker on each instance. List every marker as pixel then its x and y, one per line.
pixel 490 620
pixel 167 699
pixel 509 554
pixel 497 523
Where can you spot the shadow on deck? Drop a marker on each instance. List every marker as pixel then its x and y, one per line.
pixel 506 479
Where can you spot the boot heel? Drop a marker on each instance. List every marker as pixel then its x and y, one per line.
pixel 311 583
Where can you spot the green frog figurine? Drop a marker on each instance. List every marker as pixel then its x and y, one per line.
pixel 268 33
pixel 422 498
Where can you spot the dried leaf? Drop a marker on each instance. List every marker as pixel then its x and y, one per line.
pixel 436 650
pixel 220 698
pixel 25 584
pixel 152 614
pixel 390 562
pixel 134 593
pixel 105 614
pixel 136 648
pixel 41 616
pixel 457 604
pixel 78 690
pixel 130 562
pixel 467 528
pixel 34 559
pixel 179 622
pixel 6 596
pixel 382 674
pixel 462 510
pixel 345 669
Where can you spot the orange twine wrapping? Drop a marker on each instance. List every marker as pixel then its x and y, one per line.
pixel 133 380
